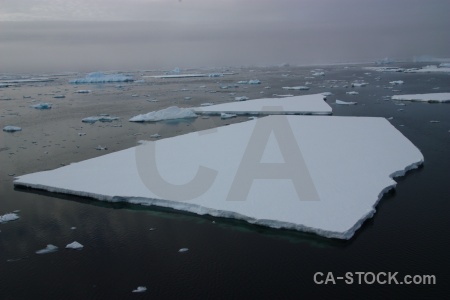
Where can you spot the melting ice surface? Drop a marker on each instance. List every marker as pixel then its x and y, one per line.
pixel 170 113
pixel 98 77
pixel 334 170
pixel 307 104
pixel 433 97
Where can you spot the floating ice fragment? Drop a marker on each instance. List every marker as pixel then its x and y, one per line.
pixel 8 217
pixel 435 121
pixel 326 94
pixel 170 113
pixel 100 148
pixel 140 289
pixel 98 77
pixel 83 91
pixel 100 118
pixel 345 103
pixel 347 195
pixel 397 82
pixel 352 93
pixel 155 136
pixel 243 82
pixel 207 104
pixel 296 88
pixel 59 96
pixel 318 74
pixel 183 250
pixel 227 116
pixel 10 128
pixel 74 245
pixel 49 249
pixel 254 81
pixel 242 98
pixel 286 95
pixel 433 97
pixel 42 106
pixel 359 84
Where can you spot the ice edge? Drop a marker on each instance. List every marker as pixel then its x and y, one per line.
pixel 200 210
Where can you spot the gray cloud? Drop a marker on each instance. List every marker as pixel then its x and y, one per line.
pixel 141 34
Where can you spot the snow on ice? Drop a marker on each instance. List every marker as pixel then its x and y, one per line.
pixel 344 164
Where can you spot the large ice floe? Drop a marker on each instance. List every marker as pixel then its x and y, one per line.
pixel 8 217
pixel 98 77
pixel 302 105
pixel 316 174
pixel 170 113
pixel 433 97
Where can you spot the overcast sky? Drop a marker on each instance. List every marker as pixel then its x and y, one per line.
pixel 89 35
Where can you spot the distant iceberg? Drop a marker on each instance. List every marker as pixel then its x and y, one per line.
pixel 170 113
pixel 98 77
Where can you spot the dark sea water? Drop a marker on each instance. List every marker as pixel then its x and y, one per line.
pixel 230 259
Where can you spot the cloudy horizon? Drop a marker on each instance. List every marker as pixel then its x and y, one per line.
pixel 81 35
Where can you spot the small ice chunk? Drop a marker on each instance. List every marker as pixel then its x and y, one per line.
pixel 207 104
pixel 83 91
pixel 286 95
pixel 10 128
pixel 227 116
pixel 397 82
pixel 326 94
pixel 73 228
pixel 59 96
pixel 345 103
pixel 183 250
pixel 140 289
pixel 359 84
pixel 318 74
pixel 42 106
pixel 187 98
pixel 100 148
pixel 435 121
pixel 254 81
pixel 100 118
pixel 170 113
pixel 242 98
pixel 296 88
pixel 75 245
pixel 49 249
pixel 243 82
pixel 352 93
pixel 8 217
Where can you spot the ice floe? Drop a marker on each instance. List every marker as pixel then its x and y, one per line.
pixel 352 93
pixel 307 104
pixel 8 217
pixel 49 249
pixel 242 98
pixel 310 173
pixel 227 116
pixel 296 88
pixel 140 289
pixel 98 77
pixel 168 76
pixel 99 118
pixel 359 84
pixel 74 245
pixel 170 113
pixel 340 102
pixel 397 82
pixel 10 128
pixel 433 97
pixel 42 106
